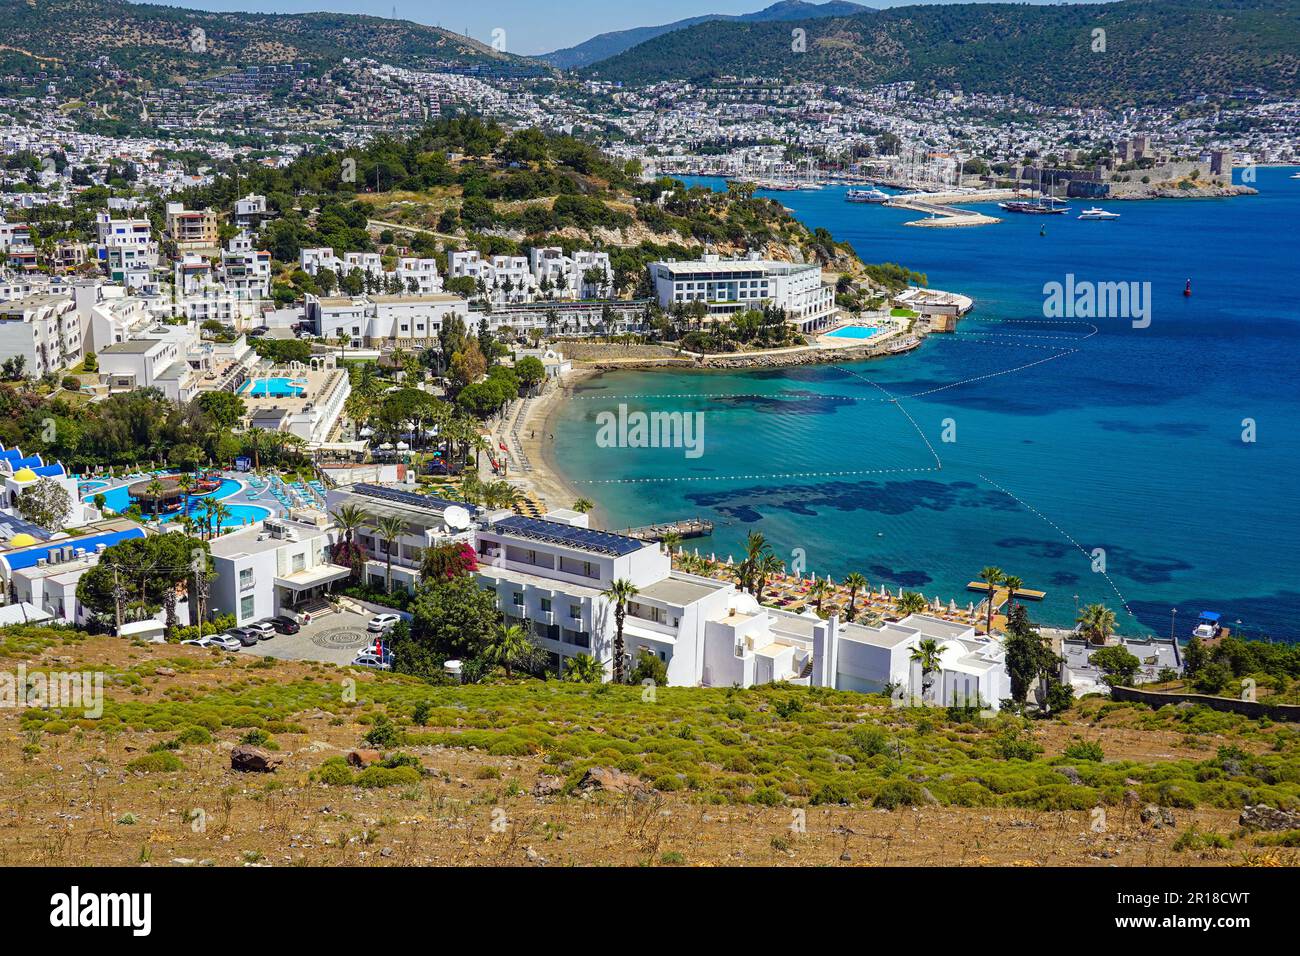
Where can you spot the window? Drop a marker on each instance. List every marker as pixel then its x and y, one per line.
pixel 575 611
pixel 518 598
pixel 245 578
pixel 546 605
pixel 246 607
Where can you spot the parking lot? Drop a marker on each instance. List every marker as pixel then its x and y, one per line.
pixel 334 637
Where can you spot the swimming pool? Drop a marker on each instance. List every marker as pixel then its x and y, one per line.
pixel 853 332
pixel 119 499
pixel 90 486
pixel 274 387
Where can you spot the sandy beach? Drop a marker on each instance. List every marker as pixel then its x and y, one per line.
pixel 545 480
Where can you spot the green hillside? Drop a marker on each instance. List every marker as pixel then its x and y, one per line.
pixel 1155 50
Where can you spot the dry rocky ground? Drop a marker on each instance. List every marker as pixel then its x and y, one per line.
pixel 69 799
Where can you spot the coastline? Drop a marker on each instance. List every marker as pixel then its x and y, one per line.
pixel 546 480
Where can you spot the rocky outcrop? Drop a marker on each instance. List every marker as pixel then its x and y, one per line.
pixel 610 780
pixel 1263 817
pixel 363 758
pixel 248 759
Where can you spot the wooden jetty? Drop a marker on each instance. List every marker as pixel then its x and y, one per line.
pixel 689 528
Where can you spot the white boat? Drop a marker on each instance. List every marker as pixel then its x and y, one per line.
pixel 866 195
pixel 1295 175
pixel 1096 212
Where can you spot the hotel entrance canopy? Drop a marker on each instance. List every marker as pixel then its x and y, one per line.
pixel 312 577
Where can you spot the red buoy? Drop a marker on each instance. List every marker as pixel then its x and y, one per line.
pixel 1187 289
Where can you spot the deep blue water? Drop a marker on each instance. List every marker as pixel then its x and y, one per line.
pixel 1128 440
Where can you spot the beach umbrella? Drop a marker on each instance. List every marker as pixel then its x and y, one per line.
pixel 403 446
pixel 883 592
pixel 952 606
pixel 938 606
pixel 900 594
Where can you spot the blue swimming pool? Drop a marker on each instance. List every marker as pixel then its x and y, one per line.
pixel 853 332
pixel 274 387
pixel 119 499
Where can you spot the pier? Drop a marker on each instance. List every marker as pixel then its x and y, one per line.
pixel 689 528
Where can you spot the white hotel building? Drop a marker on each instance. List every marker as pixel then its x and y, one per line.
pixel 728 286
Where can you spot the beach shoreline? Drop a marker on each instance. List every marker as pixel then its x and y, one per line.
pixel 546 480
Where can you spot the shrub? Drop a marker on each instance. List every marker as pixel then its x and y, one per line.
pixel 1194 838
pixel 194 735
pixel 1084 750
pixel 335 772
pixel 160 762
pixel 380 776
pixel 898 793
pixel 383 733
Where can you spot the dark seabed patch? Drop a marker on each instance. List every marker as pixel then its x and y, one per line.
pixel 1176 429
pixel 890 498
pixel 904 579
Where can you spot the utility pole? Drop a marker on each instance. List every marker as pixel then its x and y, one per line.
pixel 117 599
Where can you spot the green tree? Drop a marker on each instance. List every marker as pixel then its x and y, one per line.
pixel 855 582
pixel 928 654
pixel 508 646
pixel 452 618
pixel 648 666
pixel 619 593
pixel 992 576
pixel 1118 667
pixel 583 669
pixel 1096 622
pixel 389 528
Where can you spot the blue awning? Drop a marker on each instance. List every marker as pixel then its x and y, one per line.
pixel 1211 616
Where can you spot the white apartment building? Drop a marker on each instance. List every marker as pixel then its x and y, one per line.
pixel 45 573
pixel 566 275
pixel 279 566
pixel 159 361
pixel 14 234
pixel 126 249
pixel 250 211
pixel 417 276
pixel 45 330
pixel 375 321
pixel 244 271
pixel 507 279
pixel 728 286
pixel 193 230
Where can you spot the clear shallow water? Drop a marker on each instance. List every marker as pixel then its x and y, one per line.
pixel 854 332
pixel 119 499
pixel 274 387
pixel 1128 440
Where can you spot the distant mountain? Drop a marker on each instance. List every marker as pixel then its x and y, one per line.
pixel 1154 50
pixel 162 42
pixel 605 45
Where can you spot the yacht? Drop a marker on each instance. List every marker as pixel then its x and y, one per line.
pixel 1096 212
pixel 866 195
pixel 1033 207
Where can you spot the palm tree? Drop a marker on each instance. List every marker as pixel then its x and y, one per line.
pixel 349 518
pixel 186 485
pixel 671 541
pixel 912 602
pixel 855 582
pixel 927 654
pixel 1097 622
pixel 992 576
pixel 769 567
pixel 344 339
pixel 508 645
pixel 220 514
pixel 583 505
pixel 619 593
pixel 820 588
pixel 1011 583
pixel 389 528
pixel 583 669
pixel 755 548
pixel 155 489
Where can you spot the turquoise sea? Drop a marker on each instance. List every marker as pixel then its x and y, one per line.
pixel 1128 440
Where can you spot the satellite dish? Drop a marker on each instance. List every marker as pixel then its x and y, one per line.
pixel 456 517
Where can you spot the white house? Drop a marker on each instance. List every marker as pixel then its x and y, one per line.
pixel 44 330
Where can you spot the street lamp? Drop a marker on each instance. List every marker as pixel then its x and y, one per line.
pixel 1173 614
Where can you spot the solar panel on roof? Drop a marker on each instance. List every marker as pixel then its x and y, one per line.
pixel 411 498
pixel 555 532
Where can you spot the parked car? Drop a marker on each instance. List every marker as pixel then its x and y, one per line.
pixel 245 636
pixel 204 641
pixel 284 625
pixel 370 660
pixel 264 630
pixel 382 622
pixel 226 642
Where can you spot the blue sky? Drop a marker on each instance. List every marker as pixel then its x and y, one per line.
pixel 532 26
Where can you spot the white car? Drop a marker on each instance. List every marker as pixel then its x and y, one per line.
pixel 264 630
pixel 382 622
pixel 370 660
pixel 223 641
